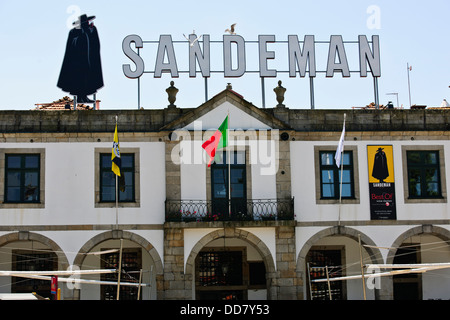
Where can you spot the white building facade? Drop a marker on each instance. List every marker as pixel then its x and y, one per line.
pixel 264 221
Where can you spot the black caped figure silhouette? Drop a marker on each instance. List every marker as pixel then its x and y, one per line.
pixel 380 168
pixel 81 71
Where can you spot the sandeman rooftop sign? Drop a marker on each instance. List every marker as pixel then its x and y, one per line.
pixel 301 56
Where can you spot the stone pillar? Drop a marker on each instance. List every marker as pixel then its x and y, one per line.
pixel 283 176
pixel 387 289
pixel 176 286
pixel 287 282
pixel 173 176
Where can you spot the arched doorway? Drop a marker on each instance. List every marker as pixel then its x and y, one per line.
pixel 140 264
pixel 28 251
pixel 231 264
pixel 421 245
pixel 338 249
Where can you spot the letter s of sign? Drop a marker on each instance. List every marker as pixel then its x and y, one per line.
pixel 133 56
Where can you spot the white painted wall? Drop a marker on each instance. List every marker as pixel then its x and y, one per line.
pixel 69 195
pixel 307 210
pixel 193 173
pixel 70 182
pixel 194 159
pixel 304 180
pixel 238 119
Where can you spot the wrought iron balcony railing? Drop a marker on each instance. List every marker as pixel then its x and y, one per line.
pixel 222 210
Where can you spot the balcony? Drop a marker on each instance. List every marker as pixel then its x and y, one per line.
pixel 239 210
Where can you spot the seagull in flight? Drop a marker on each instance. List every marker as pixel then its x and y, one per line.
pixel 231 30
pixel 193 41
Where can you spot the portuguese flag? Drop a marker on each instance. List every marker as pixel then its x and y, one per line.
pixel 218 140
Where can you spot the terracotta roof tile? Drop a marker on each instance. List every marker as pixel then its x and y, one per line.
pixel 61 105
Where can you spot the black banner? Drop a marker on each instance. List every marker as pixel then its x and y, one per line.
pixel 382 201
pixel 381 183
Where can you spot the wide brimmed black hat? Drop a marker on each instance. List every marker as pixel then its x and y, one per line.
pixel 84 19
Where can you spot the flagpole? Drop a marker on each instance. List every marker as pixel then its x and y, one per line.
pixel 120 270
pixel 229 165
pixel 342 173
pixel 117 204
pixel 340 190
pixel 409 85
pixel 117 194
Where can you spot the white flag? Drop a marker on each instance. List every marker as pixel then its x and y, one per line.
pixel 340 148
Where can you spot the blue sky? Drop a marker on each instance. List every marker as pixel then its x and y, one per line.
pixel 33 36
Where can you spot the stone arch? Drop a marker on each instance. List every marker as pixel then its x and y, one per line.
pixel 351 233
pixel 125 235
pixel 439 232
pixel 63 262
pixel 248 237
pixel 119 234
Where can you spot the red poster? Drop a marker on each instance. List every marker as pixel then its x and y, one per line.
pixel 54 285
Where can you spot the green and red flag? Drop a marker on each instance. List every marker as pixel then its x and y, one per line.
pixel 217 141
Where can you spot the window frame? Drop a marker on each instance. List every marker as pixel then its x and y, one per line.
pixel 422 167
pixel 439 149
pixel 131 261
pixel 22 170
pixel 248 171
pixel 327 252
pixel 22 151
pixel 123 170
pixel 36 260
pixel 318 149
pixel 111 204
pixel 237 162
pixel 336 173
pixel 243 267
pixel 233 166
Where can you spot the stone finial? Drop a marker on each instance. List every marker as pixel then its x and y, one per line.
pixel 279 91
pixel 229 87
pixel 172 94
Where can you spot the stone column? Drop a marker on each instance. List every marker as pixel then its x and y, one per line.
pixel 283 176
pixel 176 286
pixel 173 177
pixel 287 282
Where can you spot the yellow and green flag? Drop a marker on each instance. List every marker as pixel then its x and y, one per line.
pixel 115 156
